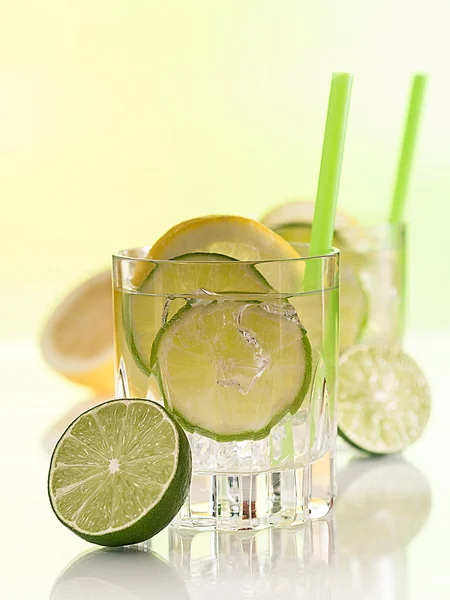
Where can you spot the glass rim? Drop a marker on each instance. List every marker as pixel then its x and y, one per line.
pixel 380 227
pixel 123 255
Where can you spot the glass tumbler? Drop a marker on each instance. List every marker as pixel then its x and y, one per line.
pixel 244 356
pixel 378 264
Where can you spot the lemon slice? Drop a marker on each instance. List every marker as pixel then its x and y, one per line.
pixel 231 370
pixel 77 340
pixel 237 237
pixel 293 221
pixel 190 276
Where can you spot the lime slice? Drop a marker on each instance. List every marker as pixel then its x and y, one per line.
pixel 230 370
pixel 353 305
pixel 353 312
pixel 120 472
pixel 144 313
pixel 384 399
pixel 302 211
pixel 292 221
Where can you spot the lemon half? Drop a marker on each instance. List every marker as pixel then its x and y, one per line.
pixel 77 340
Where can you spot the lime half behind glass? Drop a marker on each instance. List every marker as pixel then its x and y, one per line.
pixel 384 399
pixel 120 472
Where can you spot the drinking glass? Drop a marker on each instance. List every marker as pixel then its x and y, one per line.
pixel 378 261
pixel 244 356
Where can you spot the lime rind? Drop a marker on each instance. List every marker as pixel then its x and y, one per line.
pixel 384 400
pixel 243 435
pixel 154 517
pixel 261 285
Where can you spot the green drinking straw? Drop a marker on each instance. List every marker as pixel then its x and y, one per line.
pixel 329 176
pixel 418 85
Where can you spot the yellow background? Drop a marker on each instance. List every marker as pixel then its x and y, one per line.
pixel 119 118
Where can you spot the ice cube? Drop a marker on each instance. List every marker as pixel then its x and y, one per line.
pixel 283 309
pixel 240 375
pixel 243 456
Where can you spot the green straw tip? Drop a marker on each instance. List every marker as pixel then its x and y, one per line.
pixel 337 74
pixel 420 77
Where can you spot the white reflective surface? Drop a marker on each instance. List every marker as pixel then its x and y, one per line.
pixel 387 538
pixel 358 552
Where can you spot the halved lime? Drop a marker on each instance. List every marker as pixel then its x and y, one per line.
pixel 120 472
pixel 230 370
pixel 384 399
pixel 144 312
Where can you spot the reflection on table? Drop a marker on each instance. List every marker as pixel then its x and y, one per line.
pixel 383 504
pixel 358 552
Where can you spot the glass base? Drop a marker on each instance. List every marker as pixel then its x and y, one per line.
pixel 231 502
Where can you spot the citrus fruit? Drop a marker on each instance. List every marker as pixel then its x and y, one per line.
pixel 301 212
pixel 169 285
pixel 236 237
pixel 120 472
pixel 231 370
pixel 293 222
pixel 384 399
pixel 77 340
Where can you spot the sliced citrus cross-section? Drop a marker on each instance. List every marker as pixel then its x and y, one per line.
pixel 239 237
pixel 77 340
pixel 169 285
pixel 120 472
pixel 293 221
pixel 384 399
pixel 236 237
pixel 230 370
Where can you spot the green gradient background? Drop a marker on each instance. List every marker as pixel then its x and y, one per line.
pixel 118 119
